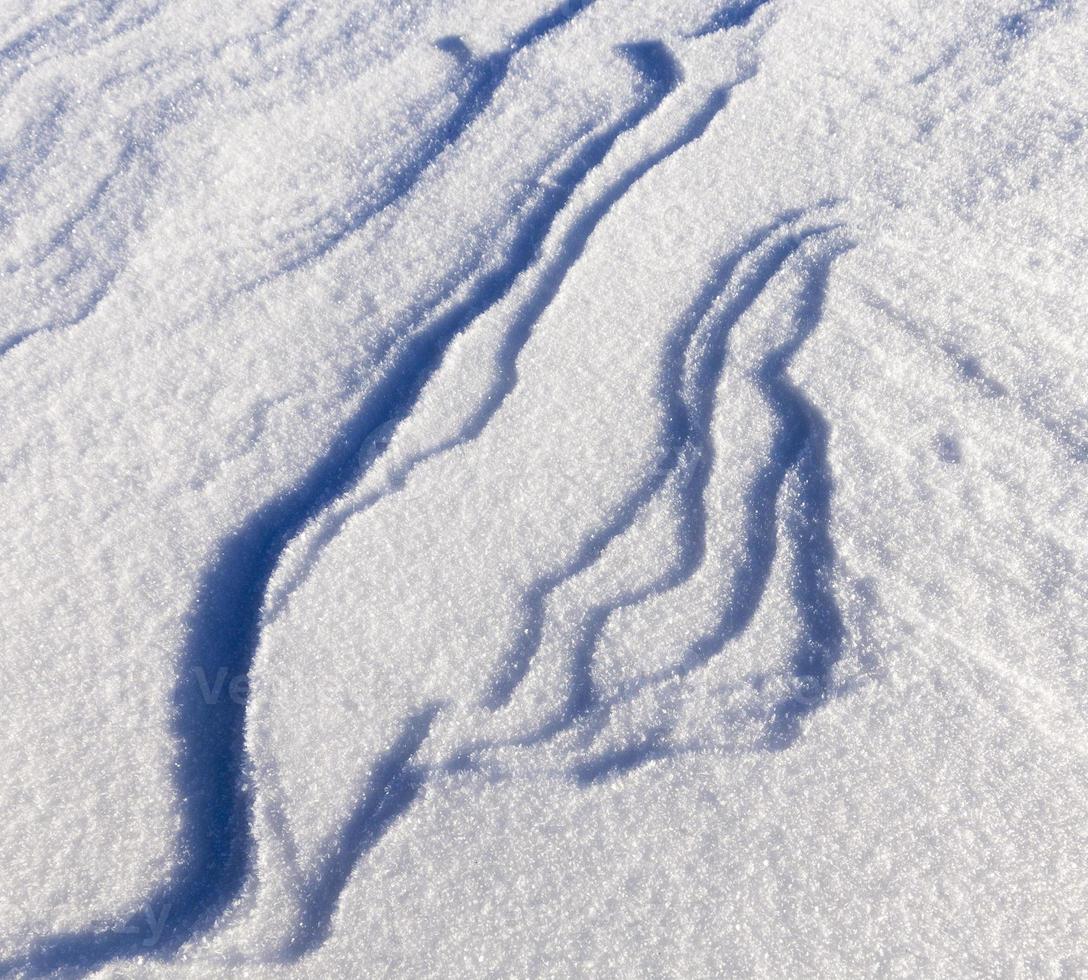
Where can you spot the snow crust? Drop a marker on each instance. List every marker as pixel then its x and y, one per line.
pixel 544 488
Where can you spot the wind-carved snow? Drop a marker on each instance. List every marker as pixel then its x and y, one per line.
pixel 557 472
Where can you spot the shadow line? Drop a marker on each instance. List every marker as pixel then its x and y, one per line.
pixel 735 14
pixel 224 629
pixel 393 786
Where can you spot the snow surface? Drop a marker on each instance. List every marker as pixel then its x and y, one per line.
pixel 544 488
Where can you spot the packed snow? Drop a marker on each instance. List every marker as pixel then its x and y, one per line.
pixel 544 488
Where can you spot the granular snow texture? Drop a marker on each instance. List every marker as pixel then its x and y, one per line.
pixel 544 488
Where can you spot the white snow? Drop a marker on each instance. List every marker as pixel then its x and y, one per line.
pixel 544 488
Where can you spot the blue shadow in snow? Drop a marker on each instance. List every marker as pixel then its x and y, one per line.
pixel 516 662
pixel 807 521
pixel 1019 25
pixel 216 836
pixel 659 76
pixel 693 427
pixel 83 310
pixel 481 78
pixel 688 453
pixel 74 28
pixel 751 575
pixel 799 447
pixel 393 786
pixel 609 765
pixel 110 242
pixel 735 14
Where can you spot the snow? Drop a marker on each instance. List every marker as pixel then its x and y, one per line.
pixel 543 488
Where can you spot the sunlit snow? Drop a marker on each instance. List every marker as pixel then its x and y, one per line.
pixel 544 488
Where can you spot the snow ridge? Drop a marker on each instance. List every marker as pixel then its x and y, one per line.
pixel 224 625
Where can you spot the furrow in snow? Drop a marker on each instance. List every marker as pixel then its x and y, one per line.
pixel 789 498
pixel 691 450
pixel 695 355
pixel 481 78
pixel 75 28
pixel 88 252
pixel 656 64
pixel 224 621
pixel 661 76
pixel 394 783
pixel 736 13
